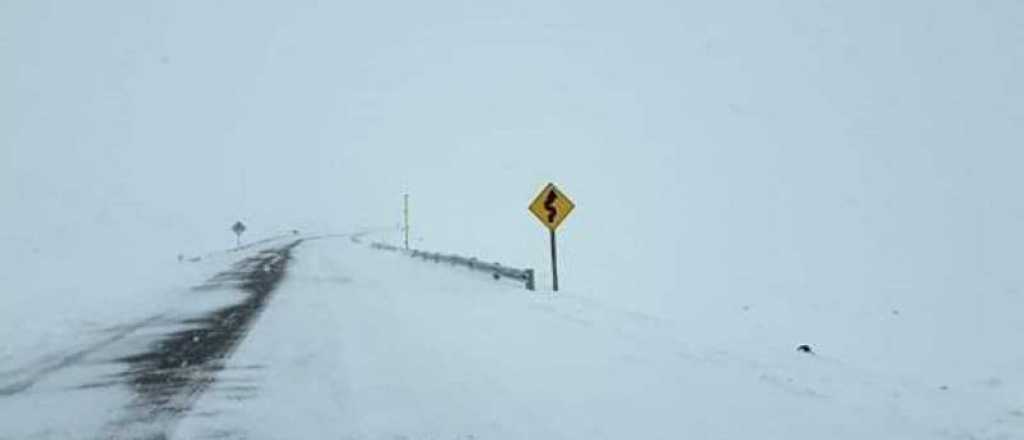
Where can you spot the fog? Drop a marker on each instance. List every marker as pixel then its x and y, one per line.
pixel 846 150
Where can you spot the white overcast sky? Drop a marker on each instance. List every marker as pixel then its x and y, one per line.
pixel 707 145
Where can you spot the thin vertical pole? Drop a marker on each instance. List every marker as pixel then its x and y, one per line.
pixel 554 261
pixel 406 222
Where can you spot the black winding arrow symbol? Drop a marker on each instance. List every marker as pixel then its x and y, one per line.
pixel 549 205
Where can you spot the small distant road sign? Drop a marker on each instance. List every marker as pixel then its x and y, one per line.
pixel 551 206
pixel 238 229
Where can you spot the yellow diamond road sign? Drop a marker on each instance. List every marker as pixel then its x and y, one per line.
pixel 551 206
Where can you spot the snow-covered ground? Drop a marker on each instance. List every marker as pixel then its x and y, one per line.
pixel 363 344
pixel 366 345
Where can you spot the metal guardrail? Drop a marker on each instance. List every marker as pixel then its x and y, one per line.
pixel 496 270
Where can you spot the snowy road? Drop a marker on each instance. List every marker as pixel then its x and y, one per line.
pixel 368 345
pixel 180 366
pixel 329 339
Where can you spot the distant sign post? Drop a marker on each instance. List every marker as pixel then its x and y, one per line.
pixel 238 229
pixel 552 207
pixel 406 214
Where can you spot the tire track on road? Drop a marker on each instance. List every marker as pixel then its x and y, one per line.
pixel 178 368
pixel 29 376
